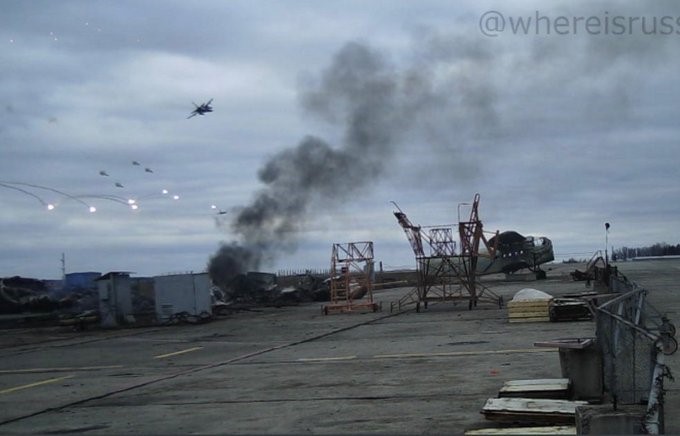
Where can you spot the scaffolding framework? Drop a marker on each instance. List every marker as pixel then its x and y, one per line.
pixel 351 278
pixel 444 275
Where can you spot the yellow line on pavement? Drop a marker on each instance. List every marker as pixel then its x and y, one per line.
pixel 32 385
pixel 188 350
pixel 467 353
pixel 66 369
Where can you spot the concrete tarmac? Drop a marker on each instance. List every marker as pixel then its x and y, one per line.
pixel 295 370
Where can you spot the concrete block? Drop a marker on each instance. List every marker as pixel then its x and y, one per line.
pixel 584 369
pixel 603 419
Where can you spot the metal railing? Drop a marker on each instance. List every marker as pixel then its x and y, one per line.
pixel 634 338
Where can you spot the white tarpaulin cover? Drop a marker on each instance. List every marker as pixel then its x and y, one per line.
pixel 529 294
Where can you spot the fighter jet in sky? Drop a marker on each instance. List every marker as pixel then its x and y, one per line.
pixel 202 109
pixel 219 211
pixel 103 173
pixel 119 185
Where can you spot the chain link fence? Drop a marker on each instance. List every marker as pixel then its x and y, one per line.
pixel 627 354
pixel 633 337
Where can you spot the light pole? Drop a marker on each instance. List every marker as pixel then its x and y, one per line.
pixel 606 243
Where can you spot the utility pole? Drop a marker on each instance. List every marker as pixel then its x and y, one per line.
pixel 606 243
pixel 63 266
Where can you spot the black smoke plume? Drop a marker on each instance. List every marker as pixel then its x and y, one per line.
pixel 359 91
pixel 449 93
pixel 229 261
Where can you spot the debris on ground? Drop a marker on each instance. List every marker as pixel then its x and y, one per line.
pixel 569 309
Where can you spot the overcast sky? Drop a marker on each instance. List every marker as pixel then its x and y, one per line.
pixel 560 128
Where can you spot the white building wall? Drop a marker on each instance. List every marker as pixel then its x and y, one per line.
pixel 182 293
pixel 115 301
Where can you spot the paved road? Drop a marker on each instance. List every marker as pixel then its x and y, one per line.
pixel 294 370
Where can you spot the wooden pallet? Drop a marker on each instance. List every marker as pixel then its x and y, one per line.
pixel 569 309
pixel 550 388
pixel 531 410
pixel 557 429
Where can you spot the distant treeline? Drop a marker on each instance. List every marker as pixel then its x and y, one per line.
pixel 658 249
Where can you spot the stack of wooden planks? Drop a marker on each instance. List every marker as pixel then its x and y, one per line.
pixel 539 403
pixel 529 305
pixel 557 429
pixel 531 410
pixel 555 388
pixel 529 311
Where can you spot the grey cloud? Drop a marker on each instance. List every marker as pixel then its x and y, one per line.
pixel 540 126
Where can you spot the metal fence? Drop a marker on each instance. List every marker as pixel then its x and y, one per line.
pixel 633 337
pixel 626 354
pixel 325 272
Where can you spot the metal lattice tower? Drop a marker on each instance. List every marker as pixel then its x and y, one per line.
pixel 444 275
pixel 441 241
pixel 351 277
pixel 471 234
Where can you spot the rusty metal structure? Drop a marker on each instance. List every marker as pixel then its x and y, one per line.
pixel 351 278
pixel 443 274
pixel 594 269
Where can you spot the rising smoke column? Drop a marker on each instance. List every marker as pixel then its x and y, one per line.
pixel 229 261
pixel 512 109
pixel 376 104
pixel 358 90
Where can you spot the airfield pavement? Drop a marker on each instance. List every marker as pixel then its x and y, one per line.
pixel 293 370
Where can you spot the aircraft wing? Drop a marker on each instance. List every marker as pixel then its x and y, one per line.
pixel 193 114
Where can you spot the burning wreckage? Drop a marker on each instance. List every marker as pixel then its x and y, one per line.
pixel 263 289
